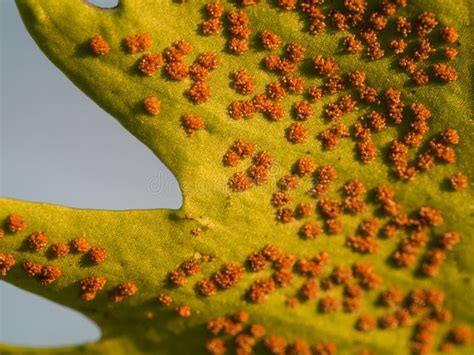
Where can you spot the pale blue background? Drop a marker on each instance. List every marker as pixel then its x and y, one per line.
pixel 57 146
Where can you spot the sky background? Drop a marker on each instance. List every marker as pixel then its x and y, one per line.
pixel 57 146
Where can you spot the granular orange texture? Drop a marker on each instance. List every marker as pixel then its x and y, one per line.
pixel 241 109
pixel 325 348
pixel 257 261
pixel 425 161
pixel 347 104
pixel 191 267
pixel 303 110
pixel 342 275
pixel 366 323
pixel 165 299
pixel 354 188
pixel 391 297
pixel 275 344
pixel 215 9
pixel 293 83
pixel 271 252
pixel 364 245
pixel 430 216
pixel 445 72
pixel 404 26
pixel 199 92
pixel 305 166
pixel 325 66
pixel 339 20
pixel 369 227
pixel 207 287
pixel 37 241
pixel 240 182
pixel 423 50
pixel 49 274
pixel 285 215
pixel 331 136
pixel 216 326
pixel 394 105
pixel 31 268
pixel 462 334
pixel 288 182
pixel 138 43
pixel 367 151
pixel 310 289
pixel 398 46
pixel 150 63
pixel 243 81
pixel 297 133
pixel 257 330
pixel 192 123
pixel 212 26
pixel 284 261
pixel 315 93
pixel 99 45
pixel 408 64
pixel 287 4
pixel 375 51
pixel 263 158
pixel 369 95
pixel 353 44
pixel 260 290
pixel 333 226
pixel 451 53
pixel 449 34
pixel 274 111
pixel 304 209
pixel 6 262
pixel 229 276
pixel 388 321
pixel 280 199
pixel 124 290
pixel 317 24
pixel 60 249
pixel 334 84
pixel 231 158
pixel 425 23
pixel 330 304
pixel 259 174
pixel 275 91
pixel 270 40
pixel 178 277
pixel 333 111
pixel 183 311
pixel 330 208
pixel 458 181
pixel 80 245
pixel 15 223
pixel 152 105
pixel 97 255
pixel 91 285
pixel 177 70
pixel 239 31
pixel 243 148
pixel 283 277
pixel 216 346
pixel 311 230
pixel 377 21
pixel 357 78
pixel 208 60
pixel 354 205
pixel 295 52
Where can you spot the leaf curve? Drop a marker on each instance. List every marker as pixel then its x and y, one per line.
pixel 234 225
